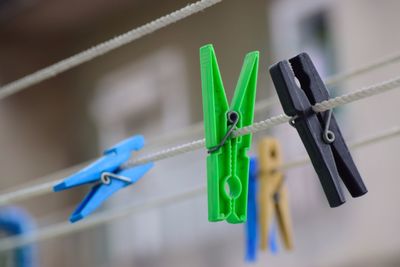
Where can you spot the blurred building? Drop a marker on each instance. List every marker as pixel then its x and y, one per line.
pixel 152 87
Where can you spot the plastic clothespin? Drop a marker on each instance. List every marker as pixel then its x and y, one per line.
pixel 273 195
pixel 251 224
pixel 107 173
pixel 16 221
pixel 273 240
pixel 252 232
pixel 227 163
pixel 320 132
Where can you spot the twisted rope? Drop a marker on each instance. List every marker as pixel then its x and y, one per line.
pixel 103 48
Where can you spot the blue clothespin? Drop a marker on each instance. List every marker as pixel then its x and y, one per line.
pixel 251 224
pixel 252 232
pixel 273 239
pixel 16 221
pixel 109 175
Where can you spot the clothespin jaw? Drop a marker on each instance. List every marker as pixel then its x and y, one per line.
pixel 251 223
pixel 273 194
pixel 126 146
pixel 329 154
pixel 109 175
pixel 227 163
pixel 112 159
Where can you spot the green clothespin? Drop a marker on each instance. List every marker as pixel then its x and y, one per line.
pixel 227 163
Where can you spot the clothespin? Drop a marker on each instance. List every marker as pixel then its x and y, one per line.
pixel 252 216
pixel 17 222
pixel 273 194
pixel 320 133
pixel 107 175
pixel 273 240
pixel 252 231
pixel 227 162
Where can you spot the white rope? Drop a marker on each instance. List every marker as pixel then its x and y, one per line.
pixel 65 228
pixel 266 104
pixel 103 48
pixel 336 79
pixel 45 186
pixel 100 218
pixel 271 122
pixel 181 149
pixel 40 189
pixel 389 134
pixel 358 95
pixel 197 129
pixel 167 153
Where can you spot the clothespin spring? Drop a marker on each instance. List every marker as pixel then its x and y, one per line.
pixel 292 120
pixel 233 119
pixel 106 178
pixel 328 136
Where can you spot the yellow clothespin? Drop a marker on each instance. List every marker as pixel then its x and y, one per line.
pixel 273 193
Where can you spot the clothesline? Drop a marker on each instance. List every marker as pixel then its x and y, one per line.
pixel 65 228
pixel 45 188
pixel 271 122
pixel 263 105
pixel 103 48
pixel 135 34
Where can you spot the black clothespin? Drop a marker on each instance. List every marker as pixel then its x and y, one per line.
pixel 319 132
